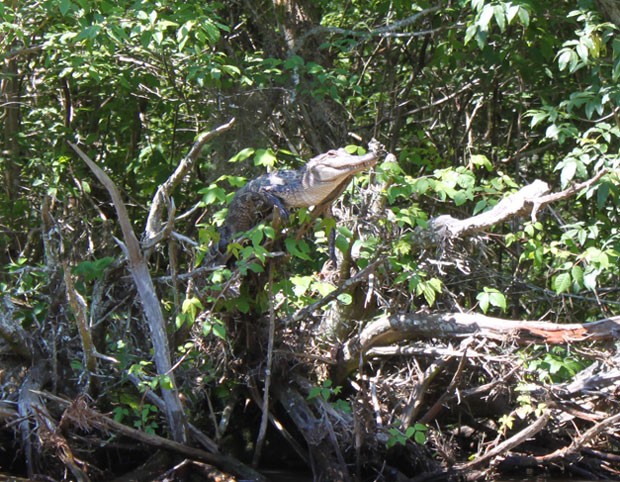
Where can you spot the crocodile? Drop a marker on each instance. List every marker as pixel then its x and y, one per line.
pixel 318 183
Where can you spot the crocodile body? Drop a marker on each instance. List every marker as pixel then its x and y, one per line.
pixel 318 183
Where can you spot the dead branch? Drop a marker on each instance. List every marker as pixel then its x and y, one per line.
pixel 153 230
pixel 579 441
pixel 508 444
pixel 150 303
pixel 79 308
pixel 388 330
pixel 80 414
pixel 527 200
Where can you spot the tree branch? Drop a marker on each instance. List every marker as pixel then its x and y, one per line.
pixel 154 222
pixel 527 200
pixel 388 330
pixel 150 302
pixel 385 31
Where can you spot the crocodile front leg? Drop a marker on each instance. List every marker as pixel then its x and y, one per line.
pixel 246 210
pixel 278 204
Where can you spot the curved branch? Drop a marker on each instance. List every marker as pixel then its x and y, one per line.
pixel 526 201
pixel 150 302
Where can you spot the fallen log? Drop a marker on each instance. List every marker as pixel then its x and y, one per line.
pixel 390 329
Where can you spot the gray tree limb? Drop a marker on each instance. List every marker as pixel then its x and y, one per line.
pixel 150 303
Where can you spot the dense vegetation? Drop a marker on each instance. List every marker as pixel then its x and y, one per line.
pixel 379 368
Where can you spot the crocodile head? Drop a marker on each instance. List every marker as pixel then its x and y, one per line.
pixel 335 166
pixel 324 177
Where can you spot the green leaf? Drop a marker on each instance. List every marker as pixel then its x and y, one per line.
pixel 314 392
pixel 483 301
pixel 524 16
pixel 191 306
pixel 242 155
pixel 499 13
pixel 299 249
pixel 485 17
pixel 65 6
pixel 429 293
pixel 420 438
pixel 498 300
pixel 481 160
pixel 491 297
pixel 301 284
pixel 602 194
pixel 323 287
pixel 562 283
pixel 568 173
pixel 165 383
pixel 219 330
pixel 512 12
pixel 345 298
pixel 264 157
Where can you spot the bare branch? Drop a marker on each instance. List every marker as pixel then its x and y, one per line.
pixel 506 445
pixel 390 30
pixel 528 200
pixel 388 330
pixel 79 308
pixel 150 302
pixel 154 222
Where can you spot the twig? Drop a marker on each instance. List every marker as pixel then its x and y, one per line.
pixel 262 432
pixel 509 443
pixel 572 190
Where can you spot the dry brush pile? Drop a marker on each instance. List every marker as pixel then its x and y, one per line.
pixel 354 383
